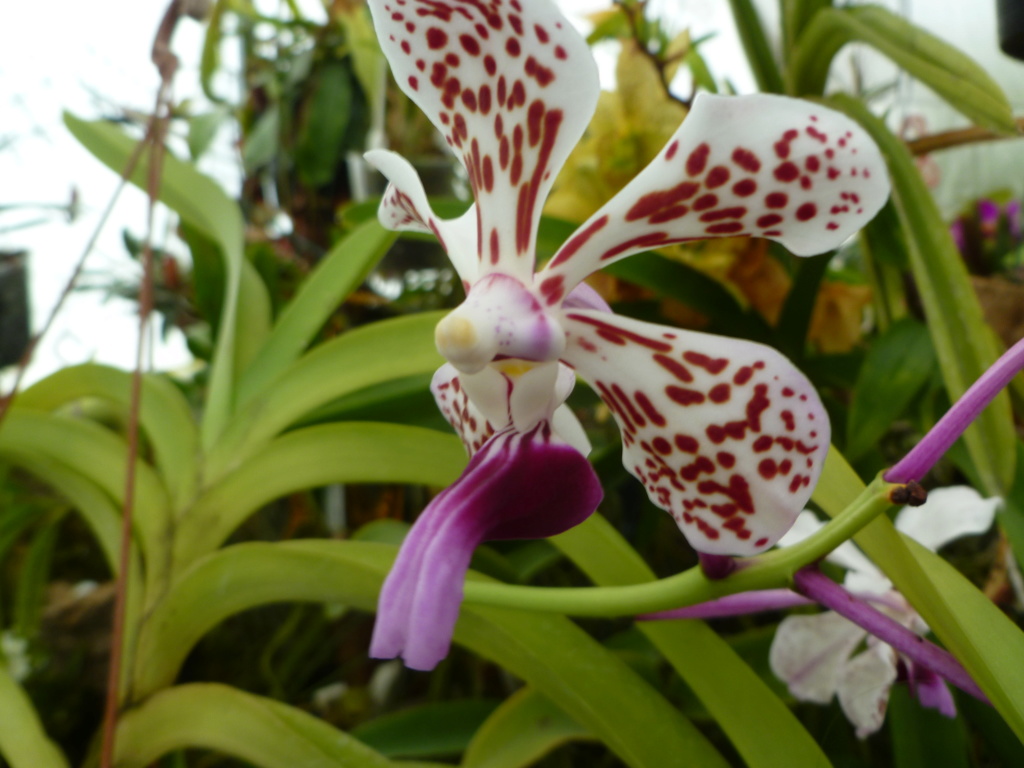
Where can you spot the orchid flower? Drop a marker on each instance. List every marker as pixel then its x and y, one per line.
pixel 726 435
pixel 816 655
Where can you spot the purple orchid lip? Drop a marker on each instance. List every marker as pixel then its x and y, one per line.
pixel 516 486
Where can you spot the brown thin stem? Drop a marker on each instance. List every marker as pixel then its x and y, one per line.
pixel 958 138
pixel 166 63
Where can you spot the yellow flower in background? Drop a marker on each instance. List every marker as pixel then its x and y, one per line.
pixel 630 126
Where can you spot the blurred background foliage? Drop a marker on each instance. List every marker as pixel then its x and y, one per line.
pixel 309 98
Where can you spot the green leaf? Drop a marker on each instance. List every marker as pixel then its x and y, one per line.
pixel 796 15
pixel 335 276
pixel 400 401
pixel 795 318
pixel 898 365
pixel 358 452
pixel 319 143
pixel 555 656
pixel 165 417
pixel 923 738
pixel 367 58
pixel 202 130
pixel 100 456
pixel 368 355
pixel 951 74
pixel 963 342
pixel 521 731
pixel 262 140
pixel 210 59
pixel 693 288
pixel 33 578
pixel 760 726
pixel 435 729
pixel 756 47
pixel 260 731
pixel 203 204
pixel 1011 514
pixel 23 742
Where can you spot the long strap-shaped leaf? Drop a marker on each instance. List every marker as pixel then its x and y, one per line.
pixel 165 417
pixel 350 452
pixel 524 728
pixel 964 344
pixel 550 652
pixel 366 356
pixel 204 205
pixel 258 730
pixel 335 276
pixel 755 45
pixel 759 724
pixel 98 455
pixel 951 74
pixel 23 742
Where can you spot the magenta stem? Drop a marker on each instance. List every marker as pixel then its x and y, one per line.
pixel 817 586
pixel 932 446
pixel 739 604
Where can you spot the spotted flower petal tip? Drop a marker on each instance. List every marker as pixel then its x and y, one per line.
pixel 726 435
pixel 516 486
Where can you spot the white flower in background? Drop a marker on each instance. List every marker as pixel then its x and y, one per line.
pixel 817 655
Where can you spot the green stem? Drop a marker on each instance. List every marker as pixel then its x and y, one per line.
pixel 771 570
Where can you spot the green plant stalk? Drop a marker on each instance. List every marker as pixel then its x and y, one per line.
pixel 963 342
pixel 23 742
pixel 760 725
pixel 770 570
pixel 558 658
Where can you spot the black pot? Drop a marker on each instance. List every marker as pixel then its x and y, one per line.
pixel 1011 27
pixel 14 326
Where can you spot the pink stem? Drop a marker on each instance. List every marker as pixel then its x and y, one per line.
pixel 739 604
pixel 932 446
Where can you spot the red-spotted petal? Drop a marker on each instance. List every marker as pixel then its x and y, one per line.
pixel 761 165
pixel 466 418
pixel 511 85
pixel 725 434
pixel 405 208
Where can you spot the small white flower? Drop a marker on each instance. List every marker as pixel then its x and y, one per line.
pixel 815 654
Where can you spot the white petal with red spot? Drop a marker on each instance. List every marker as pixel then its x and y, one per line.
pixel 761 165
pixel 405 208
pixel 725 434
pixel 465 416
pixel 511 86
